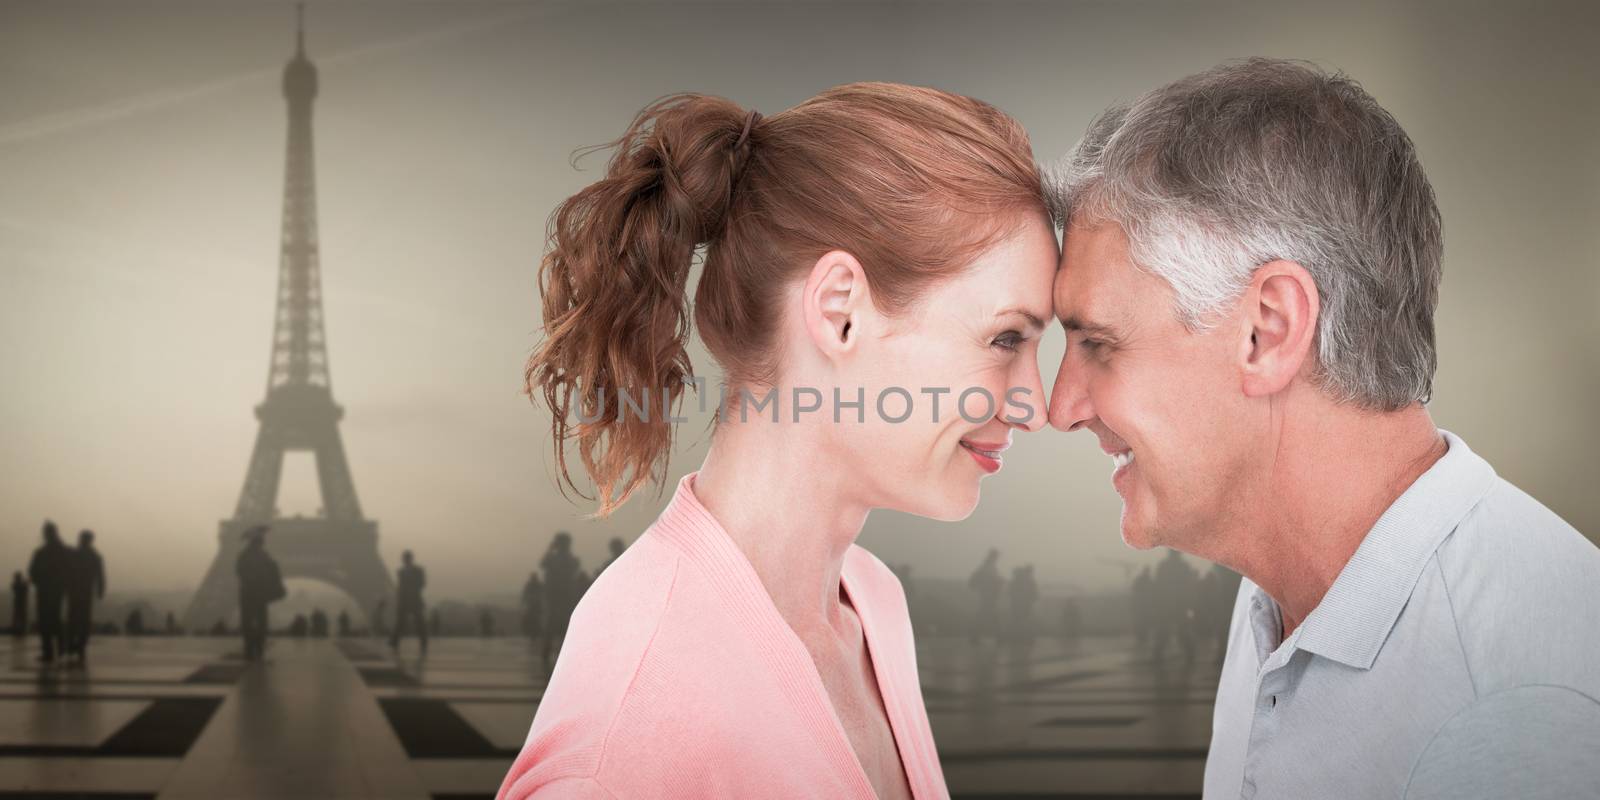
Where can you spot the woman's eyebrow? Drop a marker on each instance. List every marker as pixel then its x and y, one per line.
pixel 1034 320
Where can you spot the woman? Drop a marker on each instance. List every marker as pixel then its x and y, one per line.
pixel 882 246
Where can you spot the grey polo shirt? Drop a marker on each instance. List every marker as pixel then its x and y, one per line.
pixel 1457 655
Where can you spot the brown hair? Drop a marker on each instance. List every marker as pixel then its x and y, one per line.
pixel 914 182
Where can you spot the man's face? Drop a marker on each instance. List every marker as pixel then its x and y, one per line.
pixel 1164 403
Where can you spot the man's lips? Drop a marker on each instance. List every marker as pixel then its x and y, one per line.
pixel 1121 454
pixel 1110 447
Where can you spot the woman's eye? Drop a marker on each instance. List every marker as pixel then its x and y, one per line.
pixel 1009 340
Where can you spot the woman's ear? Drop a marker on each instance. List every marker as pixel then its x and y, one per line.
pixel 833 300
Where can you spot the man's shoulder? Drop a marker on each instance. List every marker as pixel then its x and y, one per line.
pixel 1518 578
pixel 1509 542
pixel 1532 741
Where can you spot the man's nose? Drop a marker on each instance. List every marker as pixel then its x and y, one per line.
pixel 1069 399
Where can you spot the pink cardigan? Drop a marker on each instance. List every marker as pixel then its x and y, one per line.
pixel 679 679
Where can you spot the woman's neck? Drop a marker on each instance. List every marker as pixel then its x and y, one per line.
pixel 789 508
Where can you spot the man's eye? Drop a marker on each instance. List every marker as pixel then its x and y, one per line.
pixel 1091 345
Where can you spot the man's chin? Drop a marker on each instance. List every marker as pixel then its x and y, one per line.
pixel 1135 535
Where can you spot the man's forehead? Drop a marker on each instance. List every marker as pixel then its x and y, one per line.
pixel 1096 276
pixel 1081 281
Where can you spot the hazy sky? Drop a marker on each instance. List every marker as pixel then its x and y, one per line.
pixel 141 177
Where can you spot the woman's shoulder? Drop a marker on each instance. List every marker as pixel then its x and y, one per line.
pixel 610 634
pixel 615 620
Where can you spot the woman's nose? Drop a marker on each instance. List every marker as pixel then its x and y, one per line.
pixel 1026 405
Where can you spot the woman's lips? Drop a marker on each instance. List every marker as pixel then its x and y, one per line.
pixel 987 454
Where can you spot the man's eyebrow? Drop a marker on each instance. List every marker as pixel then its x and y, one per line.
pixel 1034 320
pixel 1074 323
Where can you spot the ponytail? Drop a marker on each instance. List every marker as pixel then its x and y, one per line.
pixel 613 283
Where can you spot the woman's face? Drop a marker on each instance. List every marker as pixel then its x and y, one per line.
pixel 963 361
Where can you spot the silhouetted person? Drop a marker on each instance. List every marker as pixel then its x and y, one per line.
pixel 260 583
pixel 408 607
pixel 86 582
pixel 1024 594
pixel 617 548
pixel 533 607
pixel 1218 590
pixel 298 626
pixel 1141 599
pixel 583 583
pixel 1175 596
pixel 986 581
pixel 1071 620
pixel 19 605
pixel 380 618
pixel 435 624
pixel 486 623
pixel 49 568
pixel 135 623
pixel 172 624
pixel 560 569
pixel 319 624
pixel 344 624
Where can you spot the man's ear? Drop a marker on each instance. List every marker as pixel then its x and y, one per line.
pixel 1280 320
pixel 832 302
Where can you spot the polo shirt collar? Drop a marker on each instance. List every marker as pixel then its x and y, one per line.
pixel 1357 614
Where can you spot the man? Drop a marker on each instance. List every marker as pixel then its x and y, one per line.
pixel 260 583
pixel 19 605
pixel 410 579
pixel 560 569
pixel 533 607
pixel 1249 275
pixel 1175 583
pixel 618 547
pixel 1024 592
pixel 86 582
pixel 987 582
pixel 48 570
pixel 1142 601
pixel 1217 591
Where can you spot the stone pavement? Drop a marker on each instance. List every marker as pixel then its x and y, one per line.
pixel 185 718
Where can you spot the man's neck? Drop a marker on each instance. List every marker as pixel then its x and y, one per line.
pixel 1332 475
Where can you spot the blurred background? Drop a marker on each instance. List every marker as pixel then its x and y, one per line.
pixel 142 200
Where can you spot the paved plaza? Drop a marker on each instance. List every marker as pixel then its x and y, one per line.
pixel 186 718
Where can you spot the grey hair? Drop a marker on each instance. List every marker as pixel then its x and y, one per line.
pixel 1252 161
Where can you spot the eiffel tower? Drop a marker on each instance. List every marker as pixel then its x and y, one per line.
pixel 338 546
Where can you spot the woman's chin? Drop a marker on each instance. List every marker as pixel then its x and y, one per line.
pixel 954 505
